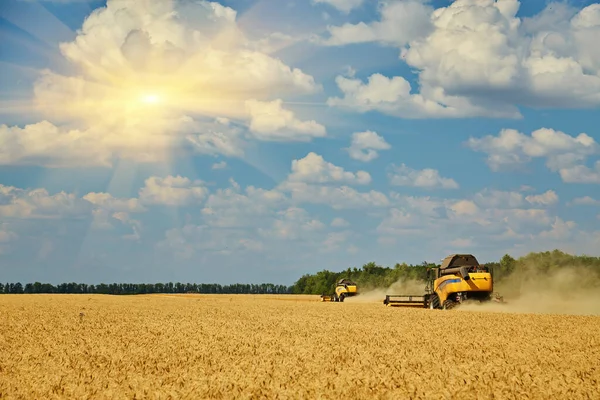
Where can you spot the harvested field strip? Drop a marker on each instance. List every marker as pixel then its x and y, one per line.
pixel 218 347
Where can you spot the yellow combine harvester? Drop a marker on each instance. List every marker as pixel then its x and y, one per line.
pixel 343 289
pixel 460 277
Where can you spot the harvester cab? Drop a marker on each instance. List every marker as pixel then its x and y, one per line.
pixel 344 288
pixel 460 277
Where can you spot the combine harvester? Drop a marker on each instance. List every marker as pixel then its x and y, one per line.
pixel 343 289
pixel 460 277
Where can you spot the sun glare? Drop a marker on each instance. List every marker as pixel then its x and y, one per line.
pixel 150 99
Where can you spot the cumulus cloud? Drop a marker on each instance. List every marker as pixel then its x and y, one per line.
pixel 172 191
pixel 497 216
pixel 477 58
pixel 216 137
pixel 365 146
pixel 547 198
pixel 102 209
pixel 401 23
pixel 400 222
pixel 585 201
pixel 233 208
pixel 293 223
pixel 191 240
pixel 335 240
pixel 43 143
pixel 581 173
pixel 270 121
pixel 143 70
pixel 392 96
pixel 110 203
pixel 426 178
pixel 490 198
pixel 560 230
pixel 563 153
pixel 39 203
pixel 338 198
pixel 314 169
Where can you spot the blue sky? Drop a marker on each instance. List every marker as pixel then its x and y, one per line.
pixel 255 141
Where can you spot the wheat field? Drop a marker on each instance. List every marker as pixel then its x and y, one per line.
pixel 286 347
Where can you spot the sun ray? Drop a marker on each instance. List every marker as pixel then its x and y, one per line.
pixel 37 21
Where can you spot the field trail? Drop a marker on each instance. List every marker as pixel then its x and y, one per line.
pixel 251 347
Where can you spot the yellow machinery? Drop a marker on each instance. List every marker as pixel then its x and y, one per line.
pixel 458 278
pixel 343 289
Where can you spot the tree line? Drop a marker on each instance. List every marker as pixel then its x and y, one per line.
pixel 370 276
pixel 143 288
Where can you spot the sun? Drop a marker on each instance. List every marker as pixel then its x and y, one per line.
pixel 150 98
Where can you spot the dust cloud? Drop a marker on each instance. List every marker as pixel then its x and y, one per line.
pixel 568 290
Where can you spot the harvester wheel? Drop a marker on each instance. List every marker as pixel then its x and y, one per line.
pixel 342 297
pixel 434 302
pixel 449 304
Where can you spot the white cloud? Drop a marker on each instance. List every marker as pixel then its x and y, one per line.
pixel 338 198
pixel 172 191
pixel 293 224
pixel 339 222
pixel 104 210
pixel 560 230
pixel 476 58
pixel 401 23
pixel 365 146
pixel 192 240
pixel 564 153
pixel 425 178
pixel 547 198
pixel 335 240
pixel 487 219
pixel 47 144
pixel 463 243
pixel 314 169
pixel 274 42
pixel 526 188
pixel 489 198
pixel 464 208
pixel 343 5
pixel 392 96
pixel 110 203
pixel 39 203
pixel 581 174
pixel 425 205
pixel 232 208
pixel 217 137
pixel 585 200
pixel 219 165
pixel 399 222
pixel 270 121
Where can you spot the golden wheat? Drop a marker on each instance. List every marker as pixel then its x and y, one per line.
pixel 253 347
